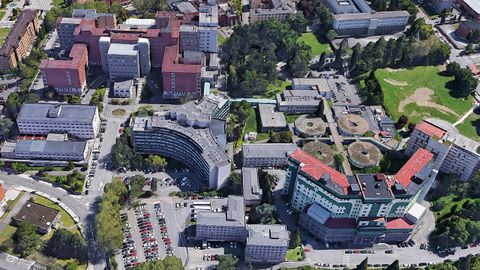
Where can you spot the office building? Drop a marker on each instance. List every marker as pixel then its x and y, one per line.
pixel 266 243
pixel 20 40
pixel 437 6
pixel 65 29
pixel 102 20
pixel 470 7
pixel 252 193
pixel 51 148
pixel 362 209
pixel 67 76
pixel 273 9
pixel 465 28
pixel 179 79
pixel 81 121
pixel 123 89
pixel 193 134
pixel 456 154
pixel 270 118
pixel 267 154
pixel 223 226
pixel 189 38
pixel 42 217
pixel 208 28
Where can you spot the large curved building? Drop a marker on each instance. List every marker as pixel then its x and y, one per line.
pixel 364 154
pixel 310 126
pixel 351 124
pixel 193 133
pixel 321 151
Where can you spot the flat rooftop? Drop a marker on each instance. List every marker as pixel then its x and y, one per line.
pixel 233 217
pixel 40 216
pixel 58 112
pixel 371 16
pixel 267 235
pixel 268 150
pixel 251 187
pixel 374 186
pixel 49 146
pixel 123 49
pixel 270 117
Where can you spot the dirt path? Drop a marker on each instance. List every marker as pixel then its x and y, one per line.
pixel 394 69
pixel 423 97
pixel 395 82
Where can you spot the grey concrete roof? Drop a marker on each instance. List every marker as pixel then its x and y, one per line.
pixel 371 16
pixel 50 146
pixel 474 4
pixel 234 217
pixel 251 187
pixel 267 235
pixel 125 84
pixel 122 49
pixel 185 7
pixel 8 261
pixel 268 150
pixel 453 136
pixel 66 112
pixel 70 20
pixel 270 117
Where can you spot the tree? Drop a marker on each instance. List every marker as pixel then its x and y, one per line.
pixel 234 184
pixel 474 36
pixel 66 245
pixel 297 22
pixel 18 167
pixel 321 61
pixel 154 185
pixel 395 265
pixel 70 166
pixel 147 92
pixel 338 158
pixel 453 68
pixel 356 51
pixel 372 93
pixel 227 262
pixel 5 127
pixel 262 214
pixel 72 99
pixel 402 121
pixel 363 265
pixel 298 64
pixel 71 265
pixel 443 16
pixel 136 185
pixel 25 239
pixel 298 238
pixel 156 162
pixel 120 13
pixel 331 34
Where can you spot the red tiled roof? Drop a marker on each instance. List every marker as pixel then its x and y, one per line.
pixel 316 169
pixel 416 162
pixel 399 223
pixel 430 129
pixel 78 50
pixel 18 31
pixel 341 223
pixel 170 62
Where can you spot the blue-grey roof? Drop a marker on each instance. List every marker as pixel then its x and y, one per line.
pixel 234 217
pixel 251 187
pixel 267 235
pixel 43 111
pixel 50 146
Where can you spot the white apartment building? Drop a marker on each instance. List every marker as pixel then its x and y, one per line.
pixel 375 23
pixel 456 154
pixel 81 121
pixel 267 154
pixel 266 243
pixel 123 89
pixel 208 28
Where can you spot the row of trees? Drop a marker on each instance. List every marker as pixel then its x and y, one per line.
pixel 239 112
pixel 252 52
pixel 418 47
pixel 169 263
pixel 391 5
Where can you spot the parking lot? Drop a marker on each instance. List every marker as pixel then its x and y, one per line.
pixel 146 235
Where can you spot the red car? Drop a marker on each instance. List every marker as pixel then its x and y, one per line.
pixel 164 228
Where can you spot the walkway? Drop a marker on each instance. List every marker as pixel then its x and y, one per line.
pixel 466 115
pixel 15 209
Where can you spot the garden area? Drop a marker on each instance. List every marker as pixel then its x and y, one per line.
pixel 421 92
pixel 3 32
pixel 316 46
pixel 295 254
pixel 72 181
pixel 471 126
pixel 63 248
pixel 277 87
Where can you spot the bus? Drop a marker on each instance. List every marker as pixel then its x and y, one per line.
pixel 202 207
pixel 198 203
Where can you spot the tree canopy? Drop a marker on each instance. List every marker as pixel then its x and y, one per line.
pixel 25 239
pixel 66 245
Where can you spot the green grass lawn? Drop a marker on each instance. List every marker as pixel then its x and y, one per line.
pixel 275 88
pixel 58 3
pixel 291 118
pixel 7 233
pixel 426 77
pixel 295 254
pixel 317 47
pixel 2 13
pixel 251 126
pixel 449 202
pixel 221 39
pixel 470 127
pixel 3 34
pixel 66 219
pixel 11 204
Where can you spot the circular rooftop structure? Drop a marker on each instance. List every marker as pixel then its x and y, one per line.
pixel 351 124
pixel 321 151
pixel 364 154
pixel 310 125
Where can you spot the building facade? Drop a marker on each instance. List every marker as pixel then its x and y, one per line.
pixel 180 80
pixel 193 134
pixel 208 28
pixel 45 150
pixel 456 153
pixel 267 154
pixel 81 121
pixel 368 24
pixel 65 29
pixel 266 243
pixel 20 40
pixel 123 89
pixel 67 76
pixel 470 8
pixel 252 193
pixel 364 208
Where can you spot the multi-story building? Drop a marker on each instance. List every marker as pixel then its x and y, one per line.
pixel 81 121
pixel 277 9
pixel 266 243
pixel 470 7
pixel 208 28
pixel 123 89
pixel 270 118
pixel 456 154
pixel 252 193
pixel 362 209
pixel 65 29
pixel 20 40
pixel 179 79
pixel 223 226
pixel 102 20
pixel 48 149
pixel 465 28
pixel 67 76
pixel 193 133
pixel 438 6
pixel 267 154
pixel 189 38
